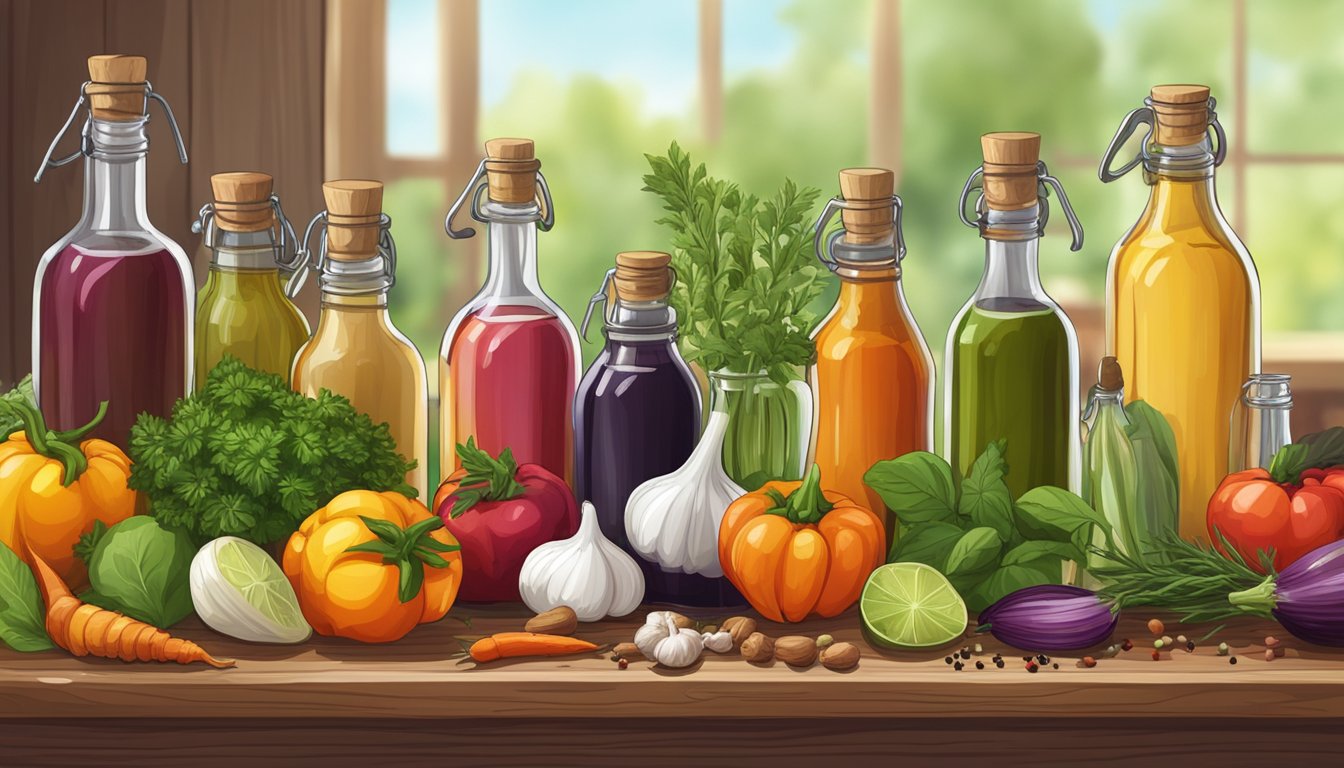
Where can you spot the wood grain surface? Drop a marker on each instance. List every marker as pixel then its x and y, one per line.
pixel 422 677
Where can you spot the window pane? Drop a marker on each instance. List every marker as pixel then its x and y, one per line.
pixel 413 86
pixel 1295 236
pixel 1296 76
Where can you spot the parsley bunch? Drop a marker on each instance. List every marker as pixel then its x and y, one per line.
pixel 745 272
pixel 247 456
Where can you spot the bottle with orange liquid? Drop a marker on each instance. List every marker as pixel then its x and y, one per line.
pixel 1183 297
pixel 874 372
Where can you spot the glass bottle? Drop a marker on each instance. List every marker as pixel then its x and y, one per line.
pixel 874 373
pixel 1110 465
pixel 356 351
pixel 769 431
pixel 637 413
pixel 1183 297
pixel 1012 354
pixel 1260 421
pixel 112 298
pixel 241 310
pixel 509 361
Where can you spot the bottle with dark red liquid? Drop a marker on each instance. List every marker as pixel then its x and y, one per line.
pixel 509 361
pixel 112 299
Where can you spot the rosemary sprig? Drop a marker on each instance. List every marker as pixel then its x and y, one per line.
pixel 1176 575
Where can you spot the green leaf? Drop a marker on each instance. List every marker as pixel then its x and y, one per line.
pixel 1010 578
pixel 143 570
pixel 1148 425
pixel 1031 551
pixel 1158 474
pixel 487 478
pixel 22 393
pixel 1325 448
pixel 1055 514
pixel 985 497
pixel 928 543
pixel 974 554
pixel 1289 462
pixel 21 618
pixel 918 487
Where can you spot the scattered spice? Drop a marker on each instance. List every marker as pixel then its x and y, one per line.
pixel 965 653
pixel 958 666
pixel 979 648
pixel 1127 645
pixel 948 660
pixel 1167 642
pixel 979 665
pixel 1272 642
pixel 1181 640
pixel 1158 644
pixel 999 663
pixel 1042 658
pixel 1055 665
pixel 1156 626
pixel 623 664
pixel 1269 654
pixel 1157 655
pixel 1232 660
pixel 1222 649
pixel 1089 662
pixel 824 640
pixel 1032 666
pixel 1190 646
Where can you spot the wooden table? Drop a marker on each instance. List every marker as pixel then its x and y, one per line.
pixel 349 703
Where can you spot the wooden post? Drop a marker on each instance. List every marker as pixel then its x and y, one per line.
pixel 459 57
pixel 355 124
pixel 711 69
pixel 884 116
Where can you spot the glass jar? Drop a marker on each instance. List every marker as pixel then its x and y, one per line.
pixel 769 432
pixel 1260 421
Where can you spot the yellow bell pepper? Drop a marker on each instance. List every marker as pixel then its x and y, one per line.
pixel 54 485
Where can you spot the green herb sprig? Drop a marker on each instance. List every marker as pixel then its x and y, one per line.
pixel 487 478
pixel 247 456
pixel 745 272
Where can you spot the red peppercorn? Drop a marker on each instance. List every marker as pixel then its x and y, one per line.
pixel 1032 666
pixel 1157 655
pixel 1089 662
pixel 623 664
pixel 1127 645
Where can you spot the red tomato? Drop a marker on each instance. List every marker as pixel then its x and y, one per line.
pixel 1254 513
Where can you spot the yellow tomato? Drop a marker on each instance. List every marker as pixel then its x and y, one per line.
pixel 371 566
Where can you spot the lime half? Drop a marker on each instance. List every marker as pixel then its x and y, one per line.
pixel 911 605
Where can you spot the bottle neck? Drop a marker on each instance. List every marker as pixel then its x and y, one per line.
pixel 868 288
pixel 1011 271
pixel 1105 404
pixel 1184 202
pixel 114 177
pixel 374 304
pixel 513 251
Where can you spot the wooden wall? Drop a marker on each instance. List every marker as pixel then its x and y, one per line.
pixel 244 78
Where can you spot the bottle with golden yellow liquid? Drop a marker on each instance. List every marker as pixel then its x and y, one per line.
pixel 874 372
pixel 356 351
pixel 1182 294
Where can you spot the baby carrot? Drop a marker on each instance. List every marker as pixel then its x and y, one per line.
pixel 513 645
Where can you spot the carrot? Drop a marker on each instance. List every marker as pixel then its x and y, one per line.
pixel 87 630
pixel 513 645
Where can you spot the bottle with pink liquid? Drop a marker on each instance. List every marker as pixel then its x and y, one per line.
pixel 112 299
pixel 509 362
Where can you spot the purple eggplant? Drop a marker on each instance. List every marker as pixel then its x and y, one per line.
pixel 1307 597
pixel 1050 617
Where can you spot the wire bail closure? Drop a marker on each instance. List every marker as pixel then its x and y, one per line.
pixel 287 241
pixel 86 143
pixel 477 186
pixel 306 262
pixel 1044 183
pixel 823 245
pixel 603 297
pixel 1145 116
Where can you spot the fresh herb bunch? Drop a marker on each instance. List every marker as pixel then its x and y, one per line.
pixel 745 272
pixel 247 456
pixel 1193 580
pixel 972 530
pixel 487 478
pixel 22 392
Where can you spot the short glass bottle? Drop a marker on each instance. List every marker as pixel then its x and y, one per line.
pixel 1260 421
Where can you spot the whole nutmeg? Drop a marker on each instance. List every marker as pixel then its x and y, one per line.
pixel 557 621
pixel 740 627
pixel 758 648
pixel 840 656
pixel 796 650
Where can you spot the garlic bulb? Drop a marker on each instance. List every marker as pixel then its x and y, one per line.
pixel 585 572
pixel 238 590
pixel 718 642
pixel 654 630
pixel 680 648
pixel 673 520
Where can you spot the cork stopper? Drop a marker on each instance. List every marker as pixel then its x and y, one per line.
pixel 1010 169
pixel 868 191
pixel 354 208
pixel 1109 375
pixel 511 170
pixel 243 201
pixel 1181 114
pixel 643 275
pixel 117 87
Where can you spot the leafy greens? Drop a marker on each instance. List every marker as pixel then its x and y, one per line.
pixel 23 391
pixel 745 272
pixel 22 625
pixel 247 456
pixel 139 569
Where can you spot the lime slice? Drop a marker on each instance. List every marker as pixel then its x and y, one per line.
pixel 911 605
pixel 247 568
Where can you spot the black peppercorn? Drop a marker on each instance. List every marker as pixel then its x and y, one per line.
pixel 948 660
pixel 1190 645
pixel 958 666
pixel 979 665
pixel 1232 660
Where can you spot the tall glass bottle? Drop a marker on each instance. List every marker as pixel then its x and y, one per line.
pixel 356 351
pixel 874 373
pixel 1183 297
pixel 112 298
pixel 1012 354
pixel 637 413
pixel 509 361
pixel 241 310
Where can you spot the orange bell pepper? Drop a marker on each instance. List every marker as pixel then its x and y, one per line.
pixel 793 549
pixel 371 566
pixel 55 485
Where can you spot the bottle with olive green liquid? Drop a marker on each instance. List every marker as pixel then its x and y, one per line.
pixel 1012 355
pixel 1183 298
pixel 242 310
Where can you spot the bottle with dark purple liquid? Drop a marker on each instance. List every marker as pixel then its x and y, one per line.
pixel 637 416
pixel 112 299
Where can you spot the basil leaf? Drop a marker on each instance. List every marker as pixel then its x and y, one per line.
pixel 1148 425
pixel 975 553
pixel 985 497
pixel 1055 514
pixel 1031 551
pixel 917 487
pixel 1010 578
pixel 21 616
pixel 927 543
pixel 1159 501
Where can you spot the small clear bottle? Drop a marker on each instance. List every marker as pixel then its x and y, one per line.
pixel 356 351
pixel 1260 421
pixel 242 311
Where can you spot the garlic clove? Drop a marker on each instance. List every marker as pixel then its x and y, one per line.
pixel 718 642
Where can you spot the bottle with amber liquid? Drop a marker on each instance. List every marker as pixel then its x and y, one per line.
pixel 242 310
pixel 1183 297
pixel 356 351
pixel 874 373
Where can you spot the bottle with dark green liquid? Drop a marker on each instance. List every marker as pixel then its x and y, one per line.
pixel 1012 355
